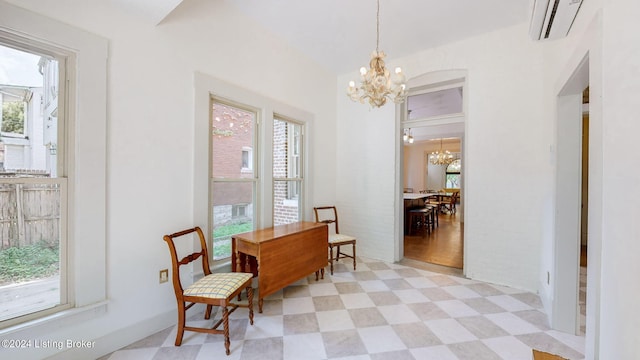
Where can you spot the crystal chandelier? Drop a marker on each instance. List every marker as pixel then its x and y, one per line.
pixel 441 157
pixel 407 137
pixel 376 83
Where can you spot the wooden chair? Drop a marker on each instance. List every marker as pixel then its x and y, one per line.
pixel 213 289
pixel 329 215
pixel 449 205
pixel 435 200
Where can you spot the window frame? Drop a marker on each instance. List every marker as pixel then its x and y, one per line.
pixel 293 183
pixel 447 173
pixel 59 176
pixel 85 162
pixel 296 160
pixel 213 180
pixel 207 86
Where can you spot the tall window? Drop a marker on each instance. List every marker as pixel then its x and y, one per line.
pixel 453 175
pixel 233 176
pixel 287 171
pixel 33 181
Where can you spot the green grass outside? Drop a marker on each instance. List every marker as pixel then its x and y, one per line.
pixel 19 264
pixel 222 238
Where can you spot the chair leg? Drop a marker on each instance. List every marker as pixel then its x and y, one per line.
pixel 354 256
pixel 250 303
pixel 225 323
pixel 331 259
pixel 207 313
pixel 181 320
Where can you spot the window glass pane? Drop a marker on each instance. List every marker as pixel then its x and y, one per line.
pixel 31 219
pixel 285 210
pixel 453 181
pixel 232 138
pixel 232 214
pixel 29 248
pixel 287 171
pixel 454 167
pixel 29 122
pixel 436 103
pixel 232 169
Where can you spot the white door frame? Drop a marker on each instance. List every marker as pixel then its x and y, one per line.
pixel 565 315
pixel 418 84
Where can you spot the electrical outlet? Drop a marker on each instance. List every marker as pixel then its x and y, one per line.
pixel 164 275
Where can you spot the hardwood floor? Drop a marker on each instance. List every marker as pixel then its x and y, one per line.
pixel 443 246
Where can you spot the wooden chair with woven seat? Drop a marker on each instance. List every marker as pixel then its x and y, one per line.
pixel 329 215
pixel 214 289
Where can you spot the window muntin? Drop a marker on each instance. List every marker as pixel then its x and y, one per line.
pixel 233 179
pixel 33 183
pixel 287 171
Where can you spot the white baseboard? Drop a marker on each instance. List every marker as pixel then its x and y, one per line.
pixel 120 338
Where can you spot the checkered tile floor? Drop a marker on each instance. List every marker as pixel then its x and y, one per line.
pixel 380 311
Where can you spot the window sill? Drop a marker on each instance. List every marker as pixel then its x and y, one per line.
pixel 49 324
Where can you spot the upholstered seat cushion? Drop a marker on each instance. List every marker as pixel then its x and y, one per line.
pixel 338 238
pixel 217 286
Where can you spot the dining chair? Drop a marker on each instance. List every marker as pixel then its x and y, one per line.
pixel 329 215
pixel 213 289
pixel 435 200
pixel 449 205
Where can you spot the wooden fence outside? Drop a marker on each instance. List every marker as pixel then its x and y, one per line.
pixel 29 213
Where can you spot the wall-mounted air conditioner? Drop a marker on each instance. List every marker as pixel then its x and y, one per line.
pixel 552 19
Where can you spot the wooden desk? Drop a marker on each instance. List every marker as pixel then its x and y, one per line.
pixel 284 254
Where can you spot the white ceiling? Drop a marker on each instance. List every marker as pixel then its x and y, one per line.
pixel 341 34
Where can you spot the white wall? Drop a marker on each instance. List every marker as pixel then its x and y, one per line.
pixel 150 131
pixel 504 72
pixel 365 174
pixel 619 325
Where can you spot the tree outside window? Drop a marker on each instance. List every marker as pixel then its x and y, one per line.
pixel 13 117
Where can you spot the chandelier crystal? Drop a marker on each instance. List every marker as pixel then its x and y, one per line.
pixel 377 85
pixel 441 157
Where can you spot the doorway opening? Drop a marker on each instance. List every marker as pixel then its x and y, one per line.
pixel 438 238
pixel 433 122
pixel 584 215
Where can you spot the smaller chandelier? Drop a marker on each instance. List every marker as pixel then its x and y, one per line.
pixel 441 157
pixel 377 86
pixel 407 137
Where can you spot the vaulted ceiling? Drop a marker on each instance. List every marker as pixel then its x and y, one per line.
pixel 341 34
